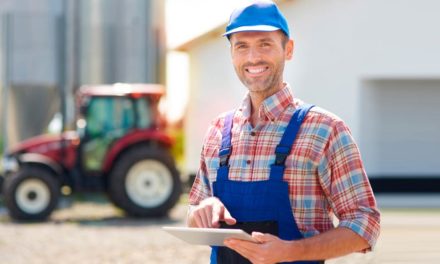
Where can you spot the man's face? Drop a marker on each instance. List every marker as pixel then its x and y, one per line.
pixel 258 59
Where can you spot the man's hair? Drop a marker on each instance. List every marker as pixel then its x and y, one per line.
pixel 284 40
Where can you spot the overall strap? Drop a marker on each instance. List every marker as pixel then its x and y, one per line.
pixel 226 148
pixel 284 147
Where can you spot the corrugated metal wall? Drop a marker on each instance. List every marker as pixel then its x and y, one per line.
pixel 56 46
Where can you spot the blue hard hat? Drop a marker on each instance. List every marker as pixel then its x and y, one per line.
pixel 257 16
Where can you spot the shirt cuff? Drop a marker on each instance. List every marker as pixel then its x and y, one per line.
pixel 368 229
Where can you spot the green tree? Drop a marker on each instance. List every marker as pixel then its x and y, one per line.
pixel 1 145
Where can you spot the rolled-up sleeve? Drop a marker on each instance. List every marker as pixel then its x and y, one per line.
pixel 201 188
pixel 347 186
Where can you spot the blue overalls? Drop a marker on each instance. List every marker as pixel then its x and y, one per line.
pixel 262 206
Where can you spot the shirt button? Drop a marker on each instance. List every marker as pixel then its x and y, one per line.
pixel 248 162
pixel 253 133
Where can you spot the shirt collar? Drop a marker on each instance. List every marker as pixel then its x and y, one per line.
pixel 272 107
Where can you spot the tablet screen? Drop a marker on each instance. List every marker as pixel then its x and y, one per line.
pixel 207 236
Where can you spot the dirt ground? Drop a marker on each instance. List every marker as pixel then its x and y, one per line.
pixel 93 231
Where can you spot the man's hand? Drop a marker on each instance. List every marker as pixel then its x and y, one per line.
pixel 334 243
pixel 209 213
pixel 270 248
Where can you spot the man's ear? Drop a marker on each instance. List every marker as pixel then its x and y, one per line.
pixel 289 49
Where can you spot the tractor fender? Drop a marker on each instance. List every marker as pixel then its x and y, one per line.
pixel 130 140
pixel 38 159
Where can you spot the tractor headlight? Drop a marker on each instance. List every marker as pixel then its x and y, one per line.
pixel 9 163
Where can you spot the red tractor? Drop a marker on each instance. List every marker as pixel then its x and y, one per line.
pixel 120 147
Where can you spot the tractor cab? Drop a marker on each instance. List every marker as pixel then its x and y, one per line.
pixel 120 147
pixel 107 113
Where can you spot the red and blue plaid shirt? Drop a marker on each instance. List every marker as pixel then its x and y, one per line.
pixel 324 170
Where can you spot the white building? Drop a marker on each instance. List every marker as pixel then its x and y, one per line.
pixel 374 63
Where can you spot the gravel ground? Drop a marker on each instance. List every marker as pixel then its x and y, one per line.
pixel 96 232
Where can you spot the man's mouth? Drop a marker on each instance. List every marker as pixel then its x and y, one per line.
pixel 256 70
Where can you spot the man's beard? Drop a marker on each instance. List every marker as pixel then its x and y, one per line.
pixel 261 85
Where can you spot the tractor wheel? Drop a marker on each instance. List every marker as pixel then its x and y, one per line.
pixel 31 193
pixel 145 182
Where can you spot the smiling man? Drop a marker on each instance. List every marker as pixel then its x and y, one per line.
pixel 279 168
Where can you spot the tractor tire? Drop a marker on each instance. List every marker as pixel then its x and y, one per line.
pixel 145 182
pixel 31 193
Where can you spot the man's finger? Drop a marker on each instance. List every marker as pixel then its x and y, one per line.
pixel 215 218
pixel 228 218
pixel 203 220
pixel 241 247
pixel 208 214
pixel 198 219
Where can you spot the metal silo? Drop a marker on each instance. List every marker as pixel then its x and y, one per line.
pixel 51 47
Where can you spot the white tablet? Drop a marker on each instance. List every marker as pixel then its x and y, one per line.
pixel 207 236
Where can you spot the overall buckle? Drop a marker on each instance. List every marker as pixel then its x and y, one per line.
pixel 224 154
pixel 281 153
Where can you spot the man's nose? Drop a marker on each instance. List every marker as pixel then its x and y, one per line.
pixel 254 55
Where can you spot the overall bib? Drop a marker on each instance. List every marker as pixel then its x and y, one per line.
pixel 262 206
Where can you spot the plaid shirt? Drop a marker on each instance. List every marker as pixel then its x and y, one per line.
pixel 324 171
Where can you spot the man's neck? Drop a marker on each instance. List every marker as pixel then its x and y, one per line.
pixel 257 99
pixel 256 102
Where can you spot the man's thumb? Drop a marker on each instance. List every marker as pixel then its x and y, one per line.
pixel 261 238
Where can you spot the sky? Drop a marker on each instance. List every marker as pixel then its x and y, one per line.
pixel 186 19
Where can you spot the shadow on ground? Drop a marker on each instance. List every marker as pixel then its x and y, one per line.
pixel 94 210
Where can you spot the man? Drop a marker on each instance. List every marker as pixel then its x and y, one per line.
pixel 279 168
